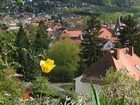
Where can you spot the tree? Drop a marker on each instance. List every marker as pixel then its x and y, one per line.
pixel 130 33
pixel 91 43
pixel 65 54
pixel 23 56
pixel 41 41
pixel 21 38
pixel 123 3
pixel 119 84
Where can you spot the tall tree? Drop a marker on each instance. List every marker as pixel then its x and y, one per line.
pixel 21 38
pixel 130 33
pixel 23 57
pixel 41 41
pixel 91 43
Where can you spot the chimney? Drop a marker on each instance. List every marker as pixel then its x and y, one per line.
pixel 131 50
pixel 116 54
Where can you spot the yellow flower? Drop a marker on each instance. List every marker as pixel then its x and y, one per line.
pixel 47 65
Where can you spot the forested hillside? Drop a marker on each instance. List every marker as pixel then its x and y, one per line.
pixel 107 2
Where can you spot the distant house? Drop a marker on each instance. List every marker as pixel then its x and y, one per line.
pixel 124 58
pixel 75 35
pixel 109 35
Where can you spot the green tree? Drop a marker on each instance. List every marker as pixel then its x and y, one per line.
pixel 123 3
pixel 130 33
pixel 21 38
pixel 65 54
pixel 119 84
pixel 91 43
pixel 41 41
pixel 25 56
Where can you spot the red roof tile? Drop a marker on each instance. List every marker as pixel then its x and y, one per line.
pixel 124 58
pixel 107 33
pixel 76 33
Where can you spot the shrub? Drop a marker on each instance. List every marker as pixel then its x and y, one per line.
pixel 104 100
pixel 11 90
pixel 119 84
pixel 65 54
pixel 40 87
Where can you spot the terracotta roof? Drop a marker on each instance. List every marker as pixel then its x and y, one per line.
pixel 74 33
pixel 108 34
pixel 124 58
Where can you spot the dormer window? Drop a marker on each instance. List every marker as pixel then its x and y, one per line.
pixel 138 67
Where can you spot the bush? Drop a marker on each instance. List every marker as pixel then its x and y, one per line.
pixel 11 90
pixel 104 100
pixel 65 54
pixel 119 84
pixel 40 87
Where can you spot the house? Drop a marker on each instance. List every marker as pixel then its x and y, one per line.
pixel 75 35
pixel 123 58
pixel 109 35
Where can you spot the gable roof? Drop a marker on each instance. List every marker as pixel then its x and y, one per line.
pixel 108 34
pixel 124 58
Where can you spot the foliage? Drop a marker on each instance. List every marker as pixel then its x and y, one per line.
pixel 6 50
pixel 91 43
pixel 41 41
pixel 73 99
pixel 44 101
pixel 23 56
pixel 18 49
pixel 65 54
pixel 104 100
pixel 40 87
pixel 24 43
pixel 3 26
pixel 119 84
pixel 11 90
pixel 130 32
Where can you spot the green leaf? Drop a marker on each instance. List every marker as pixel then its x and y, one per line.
pixel 95 96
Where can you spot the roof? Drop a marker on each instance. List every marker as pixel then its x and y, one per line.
pixel 108 34
pixel 124 58
pixel 73 33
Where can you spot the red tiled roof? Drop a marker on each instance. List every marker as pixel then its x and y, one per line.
pixel 107 33
pixel 119 59
pixel 73 33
